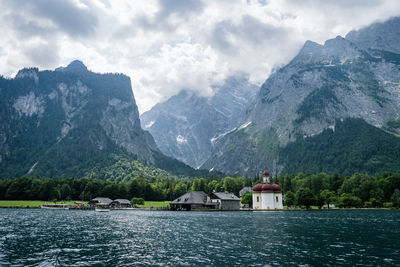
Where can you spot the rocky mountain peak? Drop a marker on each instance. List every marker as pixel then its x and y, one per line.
pixel 336 50
pixel 28 72
pixel 74 66
pixel 309 46
pixel 380 36
pixel 187 125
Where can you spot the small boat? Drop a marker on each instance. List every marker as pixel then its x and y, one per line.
pixel 101 209
pixel 56 206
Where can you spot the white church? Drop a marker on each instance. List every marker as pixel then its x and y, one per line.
pixel 267 196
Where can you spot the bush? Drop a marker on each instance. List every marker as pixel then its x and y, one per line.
pixel 368 204
pixel 289 199
pixel 137 201
pixel 247 198
pixel 304 197
pixel 388 205
pixel 395 199
pixel 347 200
pixel 375 203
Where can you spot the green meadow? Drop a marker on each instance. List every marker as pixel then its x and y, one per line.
pixel 28 203
pixel 155 204
pixel 38 203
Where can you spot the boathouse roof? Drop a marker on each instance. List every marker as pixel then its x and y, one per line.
pixel 224 196
pixel 244 190
pixel 101 200
pixel 193 197
pixel 122 201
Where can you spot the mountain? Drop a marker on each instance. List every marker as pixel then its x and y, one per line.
pixel 348 83
pixel 72 122
pixel 186 125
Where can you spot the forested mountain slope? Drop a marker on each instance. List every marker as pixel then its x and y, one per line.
pixel 72 122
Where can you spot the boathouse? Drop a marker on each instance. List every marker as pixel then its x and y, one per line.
pixel 226 201
pixel 100 201
pixel 121 203
pixel 192 200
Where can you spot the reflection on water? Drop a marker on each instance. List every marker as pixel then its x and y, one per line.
pixel 125 238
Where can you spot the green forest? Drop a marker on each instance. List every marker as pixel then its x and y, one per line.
pixel 153 189
pixel 301 190
pixel 355 191
pixel 352 146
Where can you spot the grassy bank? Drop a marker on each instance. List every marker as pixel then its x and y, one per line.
pixel 28 203
pixel 155 204
pixel 38 203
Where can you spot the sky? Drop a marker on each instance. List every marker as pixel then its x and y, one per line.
pixel 166 46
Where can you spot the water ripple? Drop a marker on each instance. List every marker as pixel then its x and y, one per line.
pixel 122 238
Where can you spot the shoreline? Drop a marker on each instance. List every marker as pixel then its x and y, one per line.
pixel 37 204
pixel 209 210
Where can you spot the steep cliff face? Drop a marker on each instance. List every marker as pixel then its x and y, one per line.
pixel 68 121
pixel 186 126
pixel 353 77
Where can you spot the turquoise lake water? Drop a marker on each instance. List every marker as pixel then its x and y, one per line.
pixel 35 237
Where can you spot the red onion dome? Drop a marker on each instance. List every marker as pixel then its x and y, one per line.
pixel 266 173
pixel 257 188
pixel 276 188
pixel 266 188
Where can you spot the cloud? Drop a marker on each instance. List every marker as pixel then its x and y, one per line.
pixel 43 53
pixel 184 66
pixel 166 46
pixel 170 15
pixel 179 7
pixel 228 34
pixel 67 16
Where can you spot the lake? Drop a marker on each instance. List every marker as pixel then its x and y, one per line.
pixel 36 237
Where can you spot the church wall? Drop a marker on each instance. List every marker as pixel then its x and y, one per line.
pixel 267 202
pixel 279 203
pixel 256 200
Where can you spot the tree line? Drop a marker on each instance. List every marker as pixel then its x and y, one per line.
pixel 358 190
pixel 303 189
pixel 153 189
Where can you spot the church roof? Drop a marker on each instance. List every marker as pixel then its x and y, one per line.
pixel 266 187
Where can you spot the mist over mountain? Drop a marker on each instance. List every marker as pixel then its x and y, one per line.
pixel 72 122
pixel 343 84
pixel 186 126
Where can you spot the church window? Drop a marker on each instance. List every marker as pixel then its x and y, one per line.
pixel 258 199
pixel 277 199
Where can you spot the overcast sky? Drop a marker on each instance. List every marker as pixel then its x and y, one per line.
pixel 170 45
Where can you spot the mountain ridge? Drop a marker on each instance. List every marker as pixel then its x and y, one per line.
pixel 65 123
pixel 186 125
pixel 340 79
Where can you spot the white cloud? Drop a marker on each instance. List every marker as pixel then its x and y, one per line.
pixel 184 66
pixel 169 45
